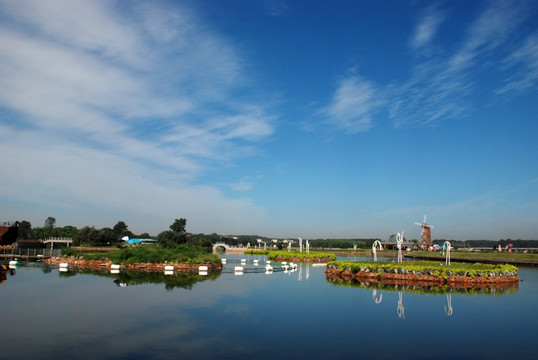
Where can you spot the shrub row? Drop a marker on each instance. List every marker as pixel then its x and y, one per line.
pixel 181 254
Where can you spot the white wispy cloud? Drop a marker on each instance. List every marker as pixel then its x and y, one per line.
pixel 120 99
pixel 353 105
pixel 493 28
pixel 441 86
pixel 427 28
pixel 525 59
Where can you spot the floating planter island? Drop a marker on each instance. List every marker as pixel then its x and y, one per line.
pixel 294 256
pixel 425 272
pixel 151 267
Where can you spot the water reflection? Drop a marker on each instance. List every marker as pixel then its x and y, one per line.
pixel 4 273
pixel 449 311
pixel 102 315
pixel 377 297
pixel 501 288
pixel 131 278
pixel 400 310
pixel 7 269
pixel 374 296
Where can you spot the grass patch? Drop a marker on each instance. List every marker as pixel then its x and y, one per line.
pixel 483 255
pixel 256 252
pixel 301 256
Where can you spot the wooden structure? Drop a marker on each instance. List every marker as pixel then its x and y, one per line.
pixel 426 234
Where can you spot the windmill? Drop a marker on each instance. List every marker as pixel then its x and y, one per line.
pixel 426 234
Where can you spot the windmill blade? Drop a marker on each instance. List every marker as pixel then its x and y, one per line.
pixel 424 219
pixel 419 224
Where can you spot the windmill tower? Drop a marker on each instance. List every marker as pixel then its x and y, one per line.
pixel 426 234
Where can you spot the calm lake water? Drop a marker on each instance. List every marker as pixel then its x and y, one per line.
pixel 47 314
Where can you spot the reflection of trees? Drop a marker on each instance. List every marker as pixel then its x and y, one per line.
pixel 178 280
pixel 494 289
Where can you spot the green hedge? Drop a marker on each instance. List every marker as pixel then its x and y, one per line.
pixel 181 254
pixel 256 252
pixel 301 256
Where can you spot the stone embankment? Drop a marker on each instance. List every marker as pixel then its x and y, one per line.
pixel 487 280
pixel 100 265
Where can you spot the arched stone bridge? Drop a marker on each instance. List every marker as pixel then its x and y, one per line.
pixel 227 247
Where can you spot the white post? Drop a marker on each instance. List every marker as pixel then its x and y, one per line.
pixel 374 248
pixel 448 247
pixel 399 242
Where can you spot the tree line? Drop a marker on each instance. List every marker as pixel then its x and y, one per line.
pixel 177 234
pixel 92 236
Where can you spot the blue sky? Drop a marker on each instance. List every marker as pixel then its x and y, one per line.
pixel 347 119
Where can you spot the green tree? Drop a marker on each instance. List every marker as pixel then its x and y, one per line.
pixel 179 225
pixel 66 231
pixel 88 236
pixel 106 236
pixel 50 222
pixel 121 228
pixel 25 231
pixel 175 236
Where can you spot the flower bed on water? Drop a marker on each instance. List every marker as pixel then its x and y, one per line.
pixel 456 274
pixel 297 256
pixel 103 264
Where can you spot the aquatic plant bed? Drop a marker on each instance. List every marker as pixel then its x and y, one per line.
pixel 456 274
pixel 296 256
pixel 102 264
